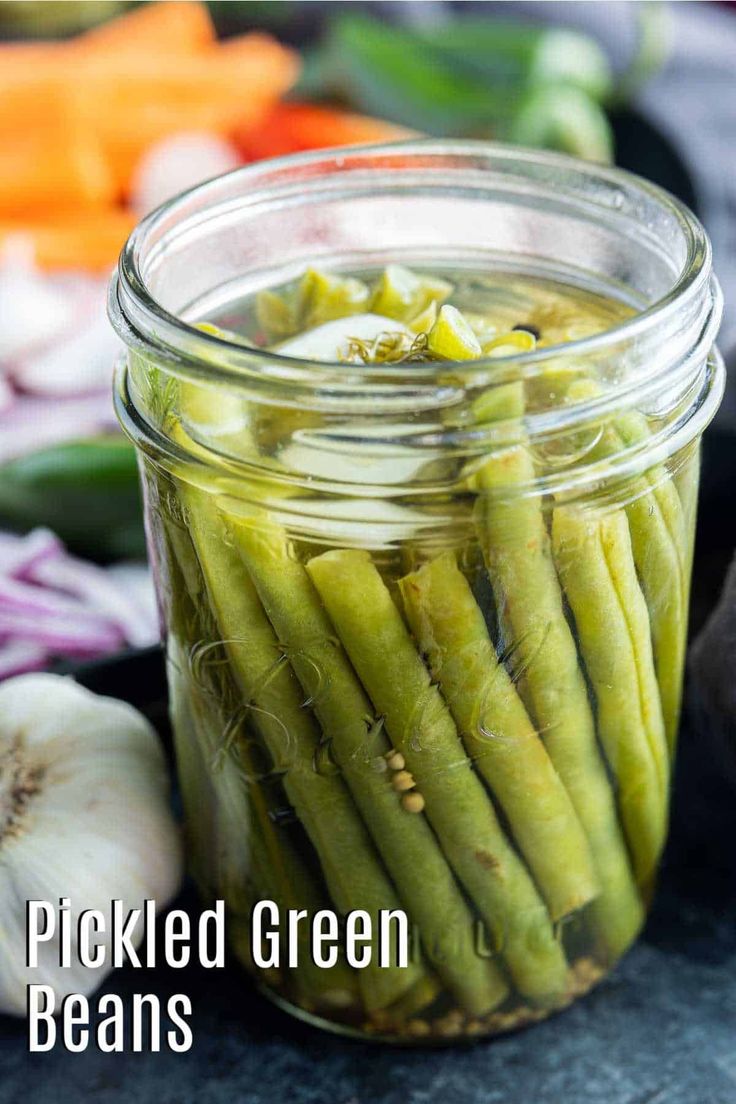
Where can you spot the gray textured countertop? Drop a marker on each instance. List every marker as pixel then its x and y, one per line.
pixel 661 1030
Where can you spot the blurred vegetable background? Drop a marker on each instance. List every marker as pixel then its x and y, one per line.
pixel 107 109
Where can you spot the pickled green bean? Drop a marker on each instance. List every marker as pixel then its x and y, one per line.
pixel 419 723
pixel 407 845
pixel 660 544
pixel 633 429
pixel 595 564
pixel 233 827
pixel 267 867
pixel 517 551
pixel 687 480
pixel 202 827
pixel 351 868
pixel 498 735
pixel 658 567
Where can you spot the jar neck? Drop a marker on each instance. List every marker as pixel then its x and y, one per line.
pixel 489 197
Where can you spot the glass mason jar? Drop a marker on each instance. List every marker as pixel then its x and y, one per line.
pixel 425 622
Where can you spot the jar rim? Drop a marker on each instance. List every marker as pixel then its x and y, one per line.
pixel 141 319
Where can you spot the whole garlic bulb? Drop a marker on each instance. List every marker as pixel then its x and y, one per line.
pixel 84 814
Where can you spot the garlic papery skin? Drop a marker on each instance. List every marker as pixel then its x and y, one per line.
pixel 84 814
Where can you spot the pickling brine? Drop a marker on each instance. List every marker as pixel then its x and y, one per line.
pixel 423 556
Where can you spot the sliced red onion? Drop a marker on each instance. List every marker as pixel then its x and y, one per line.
pixel 76 366
pixel 33 312
pixel 18 555
pixel 61 635
pixel 135 580
pixel 98 592
pixel 7 395
pixel 55 343
pixel 87 292
pixel 55 605
pixel 34 423
pixel 20 656
pixel 16 595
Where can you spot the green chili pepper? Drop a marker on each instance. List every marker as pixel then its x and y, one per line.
pixel 472 76
pixel 86 491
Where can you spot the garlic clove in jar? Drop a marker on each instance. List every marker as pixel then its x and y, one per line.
pixel 84 814
pixel 331 341
pixel 358 461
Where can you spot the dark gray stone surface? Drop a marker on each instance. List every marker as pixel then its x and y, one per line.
pixel 661 1030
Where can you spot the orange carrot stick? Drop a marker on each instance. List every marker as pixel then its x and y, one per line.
pixel 130 105
pixel 125 103
pixel 47 159
pixel 176 26
pixel 53 171
pixel 173 27
pixel 89 240
pixel 290 127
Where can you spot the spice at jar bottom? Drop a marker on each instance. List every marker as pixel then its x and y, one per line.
pixel 425 641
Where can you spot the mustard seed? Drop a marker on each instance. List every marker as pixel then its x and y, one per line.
pixel 412 802
pixel 403 781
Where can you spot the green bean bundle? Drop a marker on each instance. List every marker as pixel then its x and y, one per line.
pixel 407 682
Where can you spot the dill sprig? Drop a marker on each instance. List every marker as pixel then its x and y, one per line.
pixel 389 347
